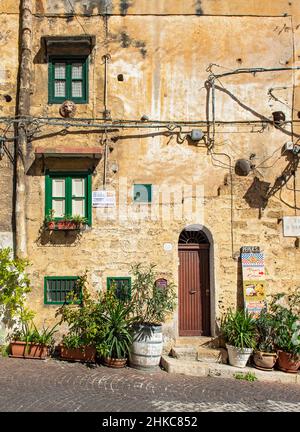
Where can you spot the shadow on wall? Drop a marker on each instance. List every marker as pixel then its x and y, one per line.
pixel 239 291
pixel 87 7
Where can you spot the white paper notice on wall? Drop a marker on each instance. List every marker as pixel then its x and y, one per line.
pixel 291 226
pixel 104 198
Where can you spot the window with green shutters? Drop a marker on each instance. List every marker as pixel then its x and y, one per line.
pixel 68 79
pixel 68 194
pixel 142 193
pixel 121 285
pixel 57 288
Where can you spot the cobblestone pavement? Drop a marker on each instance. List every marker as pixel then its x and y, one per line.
pixel 53 385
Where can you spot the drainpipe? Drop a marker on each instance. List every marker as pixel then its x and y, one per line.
pixel 23 110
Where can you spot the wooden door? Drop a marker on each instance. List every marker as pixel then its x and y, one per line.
pixel 194 290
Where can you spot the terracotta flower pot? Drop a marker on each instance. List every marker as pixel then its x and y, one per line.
pixel 114 362
pixel 67 225
pixel 30 350
pixel 264 360
pixel 84 354
pixel 288 363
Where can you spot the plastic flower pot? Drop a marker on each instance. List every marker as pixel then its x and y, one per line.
pixel 238 356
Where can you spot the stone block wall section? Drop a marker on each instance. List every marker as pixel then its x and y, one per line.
pixel 163 50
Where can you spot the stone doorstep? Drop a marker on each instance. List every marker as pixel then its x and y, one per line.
pixel 197 341
pixel 202 369
pixel 202 354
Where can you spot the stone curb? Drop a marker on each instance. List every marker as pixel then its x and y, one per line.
pixel 201 369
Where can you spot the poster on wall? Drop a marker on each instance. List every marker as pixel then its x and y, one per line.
pixel 104 198
pixel 254 284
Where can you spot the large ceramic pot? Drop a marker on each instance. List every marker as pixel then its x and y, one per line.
pixel 147 345
pixel 237 356
pixel 114 362
pixel 83 354
pixel 264 360
pixel 288 363
pixel 28 350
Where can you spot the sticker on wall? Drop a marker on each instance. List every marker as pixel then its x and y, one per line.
pixel 168 247
pixel 104 198
pixel 254 284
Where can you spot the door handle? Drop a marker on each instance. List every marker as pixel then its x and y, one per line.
pixel 192 292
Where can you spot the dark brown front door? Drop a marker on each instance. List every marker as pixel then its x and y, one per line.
pixel 194 290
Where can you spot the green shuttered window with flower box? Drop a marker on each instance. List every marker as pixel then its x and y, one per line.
pixel 68 79
pixel 57 288
pixel 68 195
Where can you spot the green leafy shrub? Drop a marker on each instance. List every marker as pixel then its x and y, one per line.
pixel 14 285
pixel 265 326
pixel 116 336
pixel 238 329
pixel 83 316
pixel 151 305
pixel 285 309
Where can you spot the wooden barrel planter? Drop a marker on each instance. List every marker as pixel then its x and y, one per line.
pixel 114 362
pixel 147 345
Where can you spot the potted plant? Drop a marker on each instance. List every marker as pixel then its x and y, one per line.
pixel 151 305
pixel 29 342
pixel 81 314
pixel 286 312
pixel 75 222
pixel 239 331
pixel 49 221
pixel 116 337
pixel 265 355
pixel 71 222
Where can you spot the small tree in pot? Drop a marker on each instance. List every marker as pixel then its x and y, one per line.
pixel 265 355
pixel 150 307
pixel 239 331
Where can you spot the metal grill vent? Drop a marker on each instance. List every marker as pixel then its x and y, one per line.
pixel 196 237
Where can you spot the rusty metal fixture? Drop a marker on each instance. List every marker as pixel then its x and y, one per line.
pixel 67 109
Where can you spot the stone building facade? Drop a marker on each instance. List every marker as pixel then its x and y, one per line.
pixel 146 78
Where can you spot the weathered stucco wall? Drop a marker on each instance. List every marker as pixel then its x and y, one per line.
pixel 164 61
pixel 9 29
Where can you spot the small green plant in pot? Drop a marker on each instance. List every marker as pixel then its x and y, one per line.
pixel 29 342
pixel 265 355
pixel 285 309
pixel 151 306
pixel 116 338
pixel 239 331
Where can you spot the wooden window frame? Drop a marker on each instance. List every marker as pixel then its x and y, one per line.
pixel 69 60
pixel 68 193
pixel 64 278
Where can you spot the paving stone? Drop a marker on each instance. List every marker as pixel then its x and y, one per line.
pixel 57 386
